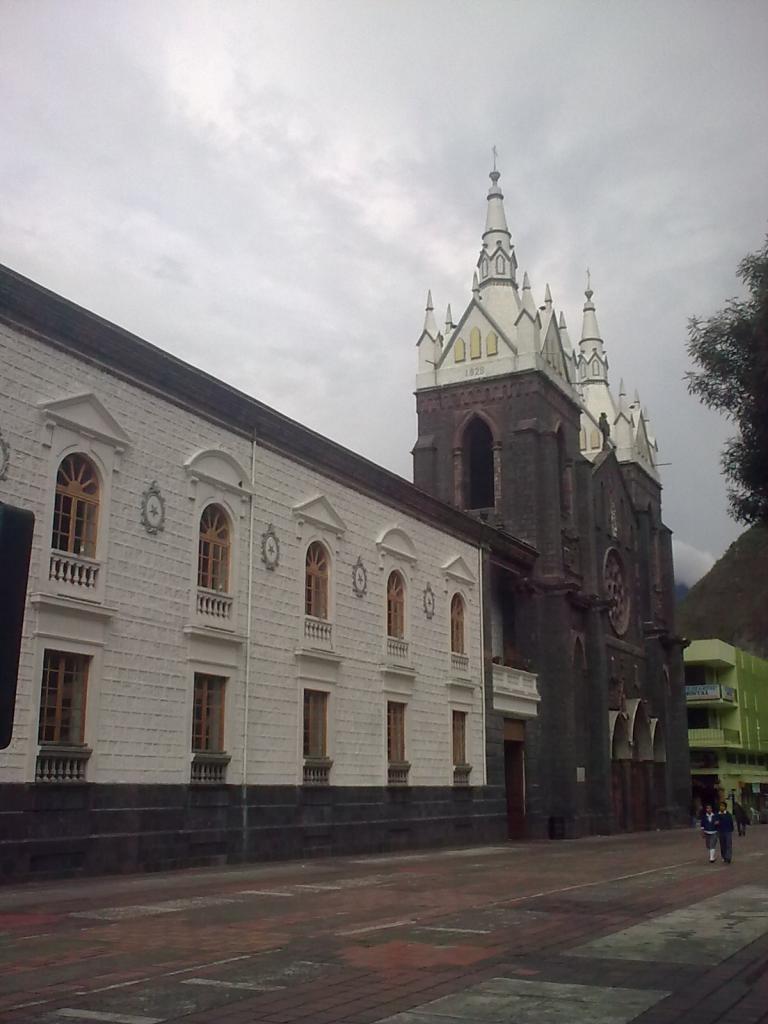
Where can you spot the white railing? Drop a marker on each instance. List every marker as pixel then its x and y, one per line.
pixel 459 663
pixel 318 631
pixel 209 770
pixel 317 772
pixel 461 773
pixel 397 650
pixel 213 605
pixel 397 774
pixel 61 766
pixel 73 570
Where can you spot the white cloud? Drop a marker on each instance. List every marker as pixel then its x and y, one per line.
pixel 690 563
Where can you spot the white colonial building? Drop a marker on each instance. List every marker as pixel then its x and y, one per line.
pixel 265 643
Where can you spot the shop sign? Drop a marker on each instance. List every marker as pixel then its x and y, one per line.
pixel 728 693
pixel 703 691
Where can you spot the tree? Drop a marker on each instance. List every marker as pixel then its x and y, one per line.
pixel 731 350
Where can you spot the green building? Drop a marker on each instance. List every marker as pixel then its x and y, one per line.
pixel 726 694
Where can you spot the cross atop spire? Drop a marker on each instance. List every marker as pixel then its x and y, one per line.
pixel 495 154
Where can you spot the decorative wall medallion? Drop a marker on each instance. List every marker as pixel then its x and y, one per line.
pixel 5 457
pixel 617 591
pixel 153 509
pixel 359 578
pixel 270 548
pixel 429 601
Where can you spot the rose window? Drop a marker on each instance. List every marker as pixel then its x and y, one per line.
pixel 617 592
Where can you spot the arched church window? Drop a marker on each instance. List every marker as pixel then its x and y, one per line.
pixel 492 344
pixel 484 267
pixel 499 264
pixel 460 350
pixel 76 508
pixel 475 350
pixel 478 459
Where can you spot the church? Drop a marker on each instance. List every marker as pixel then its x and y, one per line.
pixel 243 641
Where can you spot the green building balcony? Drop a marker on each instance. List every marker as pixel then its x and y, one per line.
pixel 713 738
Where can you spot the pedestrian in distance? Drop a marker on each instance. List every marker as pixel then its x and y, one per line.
pixel 741 819
pixel 725 832
pixel 708 826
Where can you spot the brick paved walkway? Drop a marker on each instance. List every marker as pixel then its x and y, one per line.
pixel 603 930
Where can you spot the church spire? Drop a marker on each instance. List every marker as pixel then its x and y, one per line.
pixel 592 360
pixel 497 260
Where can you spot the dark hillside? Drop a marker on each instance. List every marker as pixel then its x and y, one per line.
pixel 730 603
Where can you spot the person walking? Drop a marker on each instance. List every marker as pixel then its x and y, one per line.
pixel 708 826
pixel 725 832
pixel 741 819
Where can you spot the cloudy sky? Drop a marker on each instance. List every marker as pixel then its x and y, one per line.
pixel 267 189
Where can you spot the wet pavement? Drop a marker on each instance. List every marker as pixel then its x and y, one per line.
pixel 603 930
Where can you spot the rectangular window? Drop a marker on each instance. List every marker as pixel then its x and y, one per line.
pixel 315 724
pixel 62 698
pixel 208 714
pixel 459 737
pixel 395 732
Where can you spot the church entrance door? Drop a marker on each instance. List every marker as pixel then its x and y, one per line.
pixel 514 777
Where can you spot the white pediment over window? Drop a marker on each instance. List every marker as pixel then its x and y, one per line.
pixel 458 570
pixel 218 468
pixel 320 513
pixel 398 544
pixel 85 415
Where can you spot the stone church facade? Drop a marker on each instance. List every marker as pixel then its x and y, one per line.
pixel 522 430
pixel 243 641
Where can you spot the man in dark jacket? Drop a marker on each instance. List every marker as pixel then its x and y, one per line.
pixel 725 832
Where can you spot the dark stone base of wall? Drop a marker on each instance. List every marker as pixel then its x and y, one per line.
pixel 61 831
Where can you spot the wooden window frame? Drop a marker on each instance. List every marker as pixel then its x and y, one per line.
pixel 214 549
pixel 458 645
pixel 396 711
pixel 459 737
pixel 317 574
pixel 475 344
pixel 57 694
pixel 315 724
pixel 396 605
pixel 208 703
pixel 459 351
pixel 75 526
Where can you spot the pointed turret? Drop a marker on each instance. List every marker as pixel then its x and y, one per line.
pixel 448 321
pixel 430 324
pixel 528 303
pixel 475 286
pixel 547 297
pixel 564 335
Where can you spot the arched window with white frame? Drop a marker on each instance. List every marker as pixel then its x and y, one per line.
pixel 76 507
pixel 214 547
pixel 458 645
pixel 396 605
pixel 316 581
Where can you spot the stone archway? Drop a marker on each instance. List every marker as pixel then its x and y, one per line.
pixel 641 773
pixel 621 753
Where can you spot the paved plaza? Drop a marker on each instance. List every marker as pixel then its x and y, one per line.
pixel 604 930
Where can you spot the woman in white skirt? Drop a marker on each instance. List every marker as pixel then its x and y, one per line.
pixel 708 824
